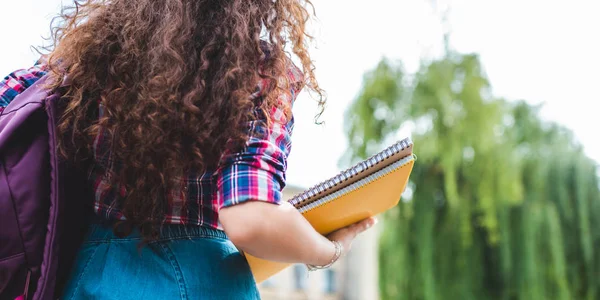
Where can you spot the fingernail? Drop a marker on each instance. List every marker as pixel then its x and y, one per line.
pixel 371 223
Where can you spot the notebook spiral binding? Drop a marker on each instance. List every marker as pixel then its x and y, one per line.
pixel 357 185
pixel 299 199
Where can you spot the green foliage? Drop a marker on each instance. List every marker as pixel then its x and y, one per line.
pixel 503 205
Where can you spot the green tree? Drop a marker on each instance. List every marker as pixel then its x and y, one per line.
pixel 503 205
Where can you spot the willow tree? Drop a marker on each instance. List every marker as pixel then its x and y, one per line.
pixel 501 205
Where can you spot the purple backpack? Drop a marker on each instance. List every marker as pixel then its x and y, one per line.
pixel 42 199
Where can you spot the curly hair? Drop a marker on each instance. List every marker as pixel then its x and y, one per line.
pixel 174 80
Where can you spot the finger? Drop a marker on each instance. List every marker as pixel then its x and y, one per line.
pixel 364 225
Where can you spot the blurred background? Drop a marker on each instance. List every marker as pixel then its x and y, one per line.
pixel 500 98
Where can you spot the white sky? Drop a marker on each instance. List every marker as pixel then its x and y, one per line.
pixel 541 51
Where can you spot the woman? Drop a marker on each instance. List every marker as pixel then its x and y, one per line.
pixel 180 111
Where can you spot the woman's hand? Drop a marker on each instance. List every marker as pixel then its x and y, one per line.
pixel 346 235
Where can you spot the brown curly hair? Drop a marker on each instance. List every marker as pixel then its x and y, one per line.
pixel 174 78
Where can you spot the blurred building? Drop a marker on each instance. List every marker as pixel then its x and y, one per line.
pixel 353 277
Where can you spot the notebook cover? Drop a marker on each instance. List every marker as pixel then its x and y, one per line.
pixel 366 201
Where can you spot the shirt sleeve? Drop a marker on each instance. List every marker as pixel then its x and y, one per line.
pixel 257 172
pixel 17 82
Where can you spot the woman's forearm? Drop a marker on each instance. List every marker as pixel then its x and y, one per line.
pixel 275 232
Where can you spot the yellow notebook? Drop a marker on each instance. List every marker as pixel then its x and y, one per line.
pixel 364 190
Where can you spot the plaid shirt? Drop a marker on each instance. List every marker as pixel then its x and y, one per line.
pixel 256 173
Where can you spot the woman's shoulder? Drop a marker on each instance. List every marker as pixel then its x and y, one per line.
pixel 292 74
pixel 18 81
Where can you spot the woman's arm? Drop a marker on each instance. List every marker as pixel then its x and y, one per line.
pixel 281 233
pixel 252 210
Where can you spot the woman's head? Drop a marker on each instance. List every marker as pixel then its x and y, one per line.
pixel 174 79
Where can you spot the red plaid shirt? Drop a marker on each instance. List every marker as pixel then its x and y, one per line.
pixel 256 173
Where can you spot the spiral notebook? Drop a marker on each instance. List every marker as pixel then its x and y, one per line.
pixel 364 190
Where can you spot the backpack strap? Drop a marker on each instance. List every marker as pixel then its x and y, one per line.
pixel 48 270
